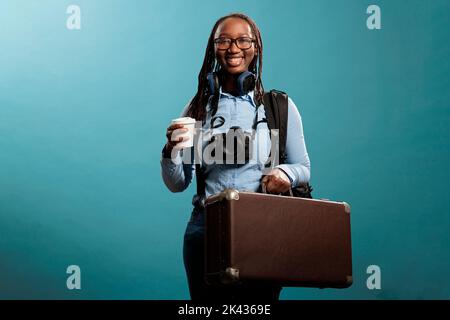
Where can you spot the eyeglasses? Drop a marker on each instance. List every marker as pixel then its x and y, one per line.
pixel 243 43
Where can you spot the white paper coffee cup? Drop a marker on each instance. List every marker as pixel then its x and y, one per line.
pixel 188 123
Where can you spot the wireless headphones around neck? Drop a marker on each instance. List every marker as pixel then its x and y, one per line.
pixel 245 82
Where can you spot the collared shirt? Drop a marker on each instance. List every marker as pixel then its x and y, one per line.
pixel 231 112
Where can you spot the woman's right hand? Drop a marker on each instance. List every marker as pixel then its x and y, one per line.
pixel 179 128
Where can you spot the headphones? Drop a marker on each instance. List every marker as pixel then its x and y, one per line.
pixel 245 82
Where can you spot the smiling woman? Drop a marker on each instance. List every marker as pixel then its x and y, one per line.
pixel 219 56
pixel 230 89
pixel 234 50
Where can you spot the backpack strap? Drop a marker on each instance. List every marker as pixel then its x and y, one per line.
pixel 200 180
pixel 276 107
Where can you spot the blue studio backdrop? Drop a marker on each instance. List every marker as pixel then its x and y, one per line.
pixel 85 102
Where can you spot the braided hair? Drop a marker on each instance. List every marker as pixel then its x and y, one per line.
pixel 197 107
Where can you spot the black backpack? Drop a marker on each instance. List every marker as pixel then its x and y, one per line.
pixel 276 108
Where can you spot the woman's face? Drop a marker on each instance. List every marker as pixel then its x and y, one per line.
pixel 234 60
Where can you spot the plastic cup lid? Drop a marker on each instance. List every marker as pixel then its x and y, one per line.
pixel 184 120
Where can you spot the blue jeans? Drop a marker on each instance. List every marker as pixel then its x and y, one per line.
pixel 193 256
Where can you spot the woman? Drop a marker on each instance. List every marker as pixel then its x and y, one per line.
pixel 234 49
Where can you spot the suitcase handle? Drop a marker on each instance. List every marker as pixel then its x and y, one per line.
pixel 264 190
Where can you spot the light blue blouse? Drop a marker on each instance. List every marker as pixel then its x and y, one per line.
pixel 239 111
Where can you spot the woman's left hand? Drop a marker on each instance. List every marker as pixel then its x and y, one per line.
pixel 276 181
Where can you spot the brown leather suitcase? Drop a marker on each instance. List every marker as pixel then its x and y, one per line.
pixel 293 242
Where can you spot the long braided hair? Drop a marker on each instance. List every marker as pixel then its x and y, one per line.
pixel 197 107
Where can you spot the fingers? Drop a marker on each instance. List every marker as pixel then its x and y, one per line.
pixel 175 127
pixel 265 179
pixel 170 131
pixel 173 143
pixel 267 176
pixel 176 134
pixel 275 184
pixel 272 185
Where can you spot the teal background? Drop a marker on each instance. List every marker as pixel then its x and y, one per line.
pixel 83 116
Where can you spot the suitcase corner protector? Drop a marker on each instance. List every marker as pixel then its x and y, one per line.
pixel 227 194
pixel 347 207
pixel 349 281
pixel 231 274
pixel 231 194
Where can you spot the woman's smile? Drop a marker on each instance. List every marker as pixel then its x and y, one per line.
pixel 234 61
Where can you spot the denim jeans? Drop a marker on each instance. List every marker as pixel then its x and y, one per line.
pixel 193 256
